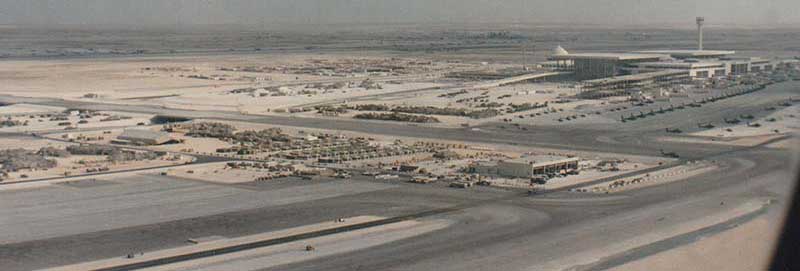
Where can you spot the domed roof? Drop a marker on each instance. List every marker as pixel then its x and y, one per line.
pixel 559 51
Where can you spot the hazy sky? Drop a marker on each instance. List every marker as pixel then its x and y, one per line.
pixel 264 12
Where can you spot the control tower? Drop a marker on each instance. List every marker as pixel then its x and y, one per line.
pixel 700 22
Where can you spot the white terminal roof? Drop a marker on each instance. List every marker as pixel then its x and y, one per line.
pixel 688 53
pixel 559 51
pixel 751 59
pixel 608 56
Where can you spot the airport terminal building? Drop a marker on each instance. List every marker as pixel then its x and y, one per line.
pixel 603 74
pixel 587 66
pixel 525 167
pixel 607 74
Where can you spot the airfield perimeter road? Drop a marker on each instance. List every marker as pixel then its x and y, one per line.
pixel 631 138
pixel 509 231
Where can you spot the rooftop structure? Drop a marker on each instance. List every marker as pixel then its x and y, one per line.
pixel 559 51
pixel 681 65
pixel 608 56
pixel 690 53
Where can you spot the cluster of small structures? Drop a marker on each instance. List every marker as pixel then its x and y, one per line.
pixel 274 142
pixel 424 110
pixel 394 116
pixel 346 67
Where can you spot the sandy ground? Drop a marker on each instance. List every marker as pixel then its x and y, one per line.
pixel 220 173
pixel 71 166
pixel 40 184
pixel 167 80
pixel 743 248
pixel 621 246
pixel 29 143
pixel 18 109
pixel 121 78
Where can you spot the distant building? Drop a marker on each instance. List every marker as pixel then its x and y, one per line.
pixel 525 167
pixel 143 137
pixel 611 74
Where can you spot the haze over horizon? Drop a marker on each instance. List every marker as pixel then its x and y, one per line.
pixel 188 13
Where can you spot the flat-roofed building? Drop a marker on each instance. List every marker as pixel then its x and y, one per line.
pixel 525 167
pixel 143 137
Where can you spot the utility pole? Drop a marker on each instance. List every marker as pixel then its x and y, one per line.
pixel 524 57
